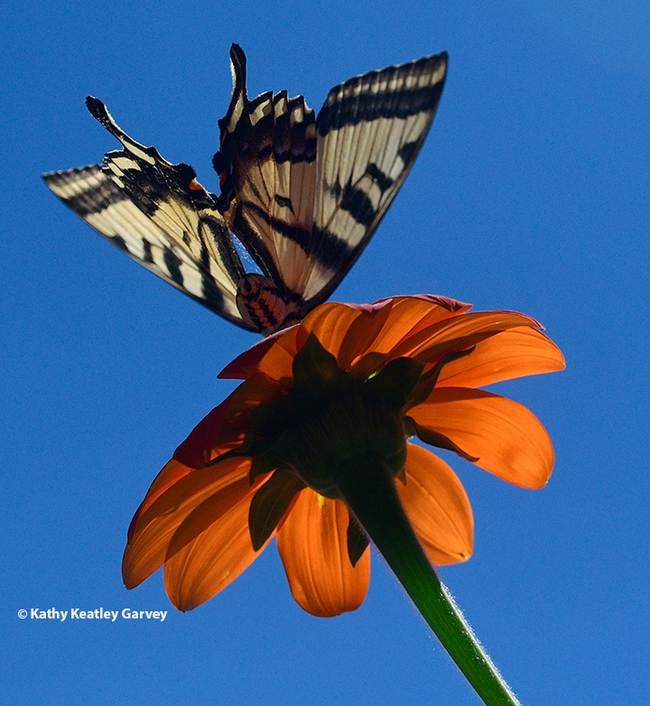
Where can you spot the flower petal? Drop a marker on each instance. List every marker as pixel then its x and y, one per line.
pixel 331 323
pixel 379 327
pixel 225 426
pixel 163 513
pixel 458 333
pixel 196 450
pixel 347 331
pixel 437 506
pixel 507 438
pixel 212 560
pixel 362 334
pixel 171 473
pixel 509 354
pixel 313 546
pixel 279 348
pixel 274 356
pixel 409 315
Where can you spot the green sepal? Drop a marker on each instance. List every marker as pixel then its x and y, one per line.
pixel 428 381
pixel 261 465
pixel 410 427
pixel 433 438
pixel 357 540
pixel 315 370
pixel 266 424
pixel 368 365
pixel 395 381
pixel 270 503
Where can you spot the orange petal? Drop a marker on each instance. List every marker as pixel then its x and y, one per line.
pixel 225 426
pixel 507 438
pixel 212 560
pixel 388 322
pixel 313 546
pixel 349 331
pixel 362 334
pixel 171 473
pixel 458 333
pixel 160 517
pixel 273 355
pixel 409 315
pixel 331 322
pixel 510 354
pixel 196 450
pixel 437 506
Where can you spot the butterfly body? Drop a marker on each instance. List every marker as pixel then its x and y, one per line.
pixel 302 193
pixel 263 306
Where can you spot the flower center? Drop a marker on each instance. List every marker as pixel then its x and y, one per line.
pixel 332 420
pixel 331 431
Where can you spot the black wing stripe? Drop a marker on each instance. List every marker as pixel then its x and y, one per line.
pixel 96 197
pixel 381 179
pixel 359 205
pixel 147 255
pixel 320 245
pixel 173 265
pixel 355 101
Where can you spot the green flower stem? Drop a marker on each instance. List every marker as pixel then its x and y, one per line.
pixel 369 491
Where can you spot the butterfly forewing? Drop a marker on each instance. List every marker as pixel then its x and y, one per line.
pixel 158 214
pixel 370 131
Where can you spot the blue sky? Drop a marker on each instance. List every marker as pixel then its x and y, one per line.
pixel 531 193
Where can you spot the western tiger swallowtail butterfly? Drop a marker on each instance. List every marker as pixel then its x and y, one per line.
pixel 303 194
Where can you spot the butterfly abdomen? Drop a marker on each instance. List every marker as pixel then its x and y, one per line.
pixel 260 303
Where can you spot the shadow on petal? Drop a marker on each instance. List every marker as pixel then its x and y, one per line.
pixel 506 437
pixel 212 560
pixel 458 333
pixel 437 506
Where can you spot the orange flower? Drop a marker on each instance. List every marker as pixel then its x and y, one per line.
pixel 321 418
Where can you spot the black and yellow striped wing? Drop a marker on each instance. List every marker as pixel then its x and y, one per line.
pixel 304 193
pixel 158 214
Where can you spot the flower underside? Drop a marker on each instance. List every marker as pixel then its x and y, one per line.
pixel 312 448
pixel 330 423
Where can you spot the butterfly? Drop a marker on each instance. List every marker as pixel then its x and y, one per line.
pixel 302 193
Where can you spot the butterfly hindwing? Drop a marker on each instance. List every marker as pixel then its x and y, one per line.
pixel 267 166
pixel 157 213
